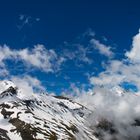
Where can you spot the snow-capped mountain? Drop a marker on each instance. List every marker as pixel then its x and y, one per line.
pixel 40 116
pixel 113 115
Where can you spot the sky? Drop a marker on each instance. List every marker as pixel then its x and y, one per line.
pixel 61 46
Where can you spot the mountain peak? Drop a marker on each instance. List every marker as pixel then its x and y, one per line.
pixel 42 117
pixel 4 85
pixel 11 91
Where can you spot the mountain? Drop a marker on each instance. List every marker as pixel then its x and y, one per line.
pixel 109 115
pixel 41 116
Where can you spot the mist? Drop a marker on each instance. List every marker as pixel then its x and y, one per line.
pixel 114 116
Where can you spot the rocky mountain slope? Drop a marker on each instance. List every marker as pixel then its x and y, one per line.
pixel 41 116
pixel 110 115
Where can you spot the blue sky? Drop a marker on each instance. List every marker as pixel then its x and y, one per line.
pixel 76 31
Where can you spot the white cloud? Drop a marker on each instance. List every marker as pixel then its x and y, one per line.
pixel 83 52
pixel 121 112
pixel 80 54
pixel 116 73
pixel 27 85
pixel 5 53
pixel 134 53
pixel 109 80
pixel 119 71
pixel 103 49
pixel 38 57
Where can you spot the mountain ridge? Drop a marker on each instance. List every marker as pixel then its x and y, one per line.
pixel 44 117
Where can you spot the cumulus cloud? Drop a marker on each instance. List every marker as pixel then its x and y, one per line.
pixel 112 76
pixel 5 53
pixel 37 57
pixel 40 57
pixel 133 54
pixel 103 49
pixel 118 72
pixel 27 85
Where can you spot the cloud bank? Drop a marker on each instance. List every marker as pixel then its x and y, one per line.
pixel 116 110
